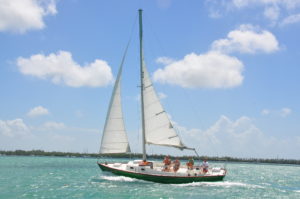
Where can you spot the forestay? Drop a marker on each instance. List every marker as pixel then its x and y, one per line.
pixel 158 127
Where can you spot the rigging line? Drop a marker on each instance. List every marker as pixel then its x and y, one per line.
pixel 155 35
pixel 197 156
pixel 127 46
pixel 197 115
pixel 132 28
pixel 161 48
pixel 178 133
pixel 151 49
pixel 118 76
pixel 164 52
pixel 138 123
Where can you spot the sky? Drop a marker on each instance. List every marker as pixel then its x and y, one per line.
pixel 227 73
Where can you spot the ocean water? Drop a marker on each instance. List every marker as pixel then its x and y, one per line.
pixel 62 177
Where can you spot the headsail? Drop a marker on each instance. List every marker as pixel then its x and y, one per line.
pixel 114 138
pixel 158 127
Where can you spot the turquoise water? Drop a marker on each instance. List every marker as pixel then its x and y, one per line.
pixel 55 177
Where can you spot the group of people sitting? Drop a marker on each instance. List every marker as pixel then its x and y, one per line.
pixel 168 163
pixel 176 164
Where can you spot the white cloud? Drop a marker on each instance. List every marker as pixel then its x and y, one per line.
pixel 62 138
pixel 162 95
pixel 272 13
pixel 38 111
pixel 225 137
pixel 165 60
pixel 22 15
pixel 164 3
pixel 60 68
pixel 79 114
pixel 210 70
pixel 247 39
pixel 215 69
pixel 265 112
pixel 273 10
pixel 13 128
pixel 290 20
pixel 239 138
pixel 216 8
pixel 284 112
pixel 50 136
pixel 54 125
pixel 287 4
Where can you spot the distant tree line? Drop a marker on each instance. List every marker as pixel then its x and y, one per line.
pixel 138 155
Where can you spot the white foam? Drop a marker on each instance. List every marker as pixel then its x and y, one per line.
pixel 298 191
pixel 219 184
pixel 118 178
pixel 65 186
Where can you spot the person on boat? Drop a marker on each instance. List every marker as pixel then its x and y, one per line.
pixel 176 165
pixel 146 163
pixel 167 163
pixel 204 166
pixel 190 163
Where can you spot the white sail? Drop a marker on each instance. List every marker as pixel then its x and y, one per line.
pixel 114 138
pixel 158 127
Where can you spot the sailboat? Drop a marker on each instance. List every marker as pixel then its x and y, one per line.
pixel 157 129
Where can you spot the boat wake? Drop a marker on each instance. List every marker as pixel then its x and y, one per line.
pixel 219 184
pixel 118 178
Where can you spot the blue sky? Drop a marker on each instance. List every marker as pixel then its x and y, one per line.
pixel 227 73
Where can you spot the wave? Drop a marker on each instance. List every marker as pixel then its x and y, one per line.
pixel 119 178
pixel 219 184
pixel 298 191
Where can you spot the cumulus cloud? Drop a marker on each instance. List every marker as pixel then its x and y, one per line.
pixel 287 4
pixel 38 111
pixel 60 68
pixel 50 136
pixel 239 138
pixel 247 39
pixel 278 12
pixel 13 128
pixel 216 69
pixel 290 20
pixel 210 70
pixel 22 15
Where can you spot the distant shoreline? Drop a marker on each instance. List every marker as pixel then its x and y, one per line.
pixel 95 155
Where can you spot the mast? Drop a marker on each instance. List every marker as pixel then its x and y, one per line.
pixel 142 83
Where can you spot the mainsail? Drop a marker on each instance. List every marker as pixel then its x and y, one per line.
pixel 114 138
pixel 158 127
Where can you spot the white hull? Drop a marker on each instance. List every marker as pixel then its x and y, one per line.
pixel 158 169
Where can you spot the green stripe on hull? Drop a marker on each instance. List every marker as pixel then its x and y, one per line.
pixel 163 179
